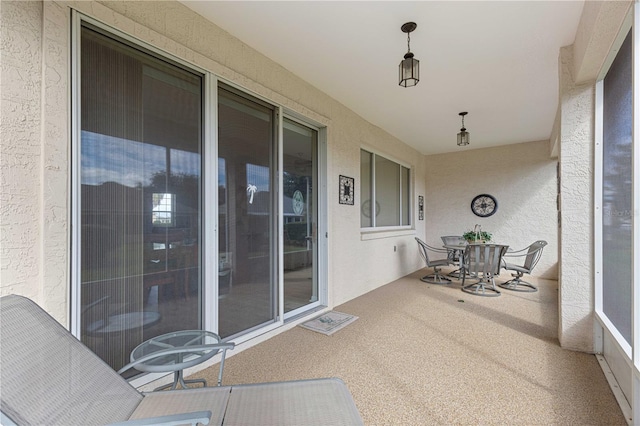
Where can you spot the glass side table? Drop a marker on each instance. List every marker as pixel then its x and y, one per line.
pixel 173 352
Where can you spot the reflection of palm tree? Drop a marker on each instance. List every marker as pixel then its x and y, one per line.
pixel 251 189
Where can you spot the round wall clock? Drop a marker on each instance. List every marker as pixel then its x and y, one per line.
pixel 484 205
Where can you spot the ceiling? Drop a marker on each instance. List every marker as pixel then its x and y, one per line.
pixel 498 60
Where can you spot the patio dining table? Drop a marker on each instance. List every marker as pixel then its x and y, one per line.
pixel 458 250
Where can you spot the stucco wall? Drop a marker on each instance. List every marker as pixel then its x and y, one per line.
pixel 522 177
pixel 20 157
pixel 36 138
pixel 576 180
pixel 599 26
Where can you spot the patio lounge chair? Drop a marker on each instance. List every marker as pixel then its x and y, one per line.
pixel 49 377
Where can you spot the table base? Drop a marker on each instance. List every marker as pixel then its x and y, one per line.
pixel 178 378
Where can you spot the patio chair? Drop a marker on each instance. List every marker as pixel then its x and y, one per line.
pixel 49 377
pixel 482 262
pixel 530 257
pixel 436 277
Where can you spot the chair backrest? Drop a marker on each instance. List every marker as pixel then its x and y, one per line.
pixel 424 252
pixel 422 246
pixel 533 255
pixel 484 259
pixel 453 240
pixel 49 377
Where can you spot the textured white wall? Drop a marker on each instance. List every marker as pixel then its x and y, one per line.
pixel 599 25
pixel 20 159
pixel 576 290
pixel 522 177
pixel 34 162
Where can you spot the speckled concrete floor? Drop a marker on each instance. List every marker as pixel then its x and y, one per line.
pixel 428 354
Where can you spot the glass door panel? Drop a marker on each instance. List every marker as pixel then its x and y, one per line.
pixel 140 202
pixel 300 211
pixel 246 214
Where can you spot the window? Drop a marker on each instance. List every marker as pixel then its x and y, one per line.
pixel 385 190
pixel 617 191
pixel 163 207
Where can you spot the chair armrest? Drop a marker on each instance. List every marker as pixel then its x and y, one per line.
pixel 437 249
pixel 194 418
pixel 521 253
pixel 516 253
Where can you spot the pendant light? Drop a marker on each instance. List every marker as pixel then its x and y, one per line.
pixel 463 136
pixel 409 66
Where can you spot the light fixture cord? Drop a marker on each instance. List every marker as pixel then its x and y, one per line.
pixel 463 121
pixel 408 42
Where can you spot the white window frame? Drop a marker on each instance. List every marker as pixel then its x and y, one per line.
pixel 377 229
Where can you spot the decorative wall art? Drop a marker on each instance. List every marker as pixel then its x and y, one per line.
pixel 420 207
pixel 484 205
pixel 346 190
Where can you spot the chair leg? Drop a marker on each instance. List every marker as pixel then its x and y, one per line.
pixel 436 278
pixel 516 284
pixel 482 288
pixel 457 274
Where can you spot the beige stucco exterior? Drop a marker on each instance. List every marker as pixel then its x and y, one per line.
pixel 36 136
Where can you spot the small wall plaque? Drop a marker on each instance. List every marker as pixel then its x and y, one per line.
pixel 346 190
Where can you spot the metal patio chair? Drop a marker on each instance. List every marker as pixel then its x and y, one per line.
pixel 482 262
pixel 436 277
pixel 529 257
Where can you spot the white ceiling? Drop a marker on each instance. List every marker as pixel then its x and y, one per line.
pixel 498 60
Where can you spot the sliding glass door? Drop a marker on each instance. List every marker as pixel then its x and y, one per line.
pixel 139 196
pixel 143 259
pixel 247 238
pixel 300 216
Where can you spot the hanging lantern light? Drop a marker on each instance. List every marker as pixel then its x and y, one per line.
pixel 409 66
pixel 463 136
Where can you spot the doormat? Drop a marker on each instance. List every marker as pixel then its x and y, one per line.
pixel 329 323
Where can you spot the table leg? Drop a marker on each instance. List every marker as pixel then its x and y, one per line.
pixel 177 377
pixel 457 273
pixel 184 381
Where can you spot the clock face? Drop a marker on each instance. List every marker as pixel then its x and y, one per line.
pixel 484 205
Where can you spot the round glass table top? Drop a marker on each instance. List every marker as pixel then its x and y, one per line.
pixel 184 349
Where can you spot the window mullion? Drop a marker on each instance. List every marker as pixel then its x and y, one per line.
pixel 372 205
